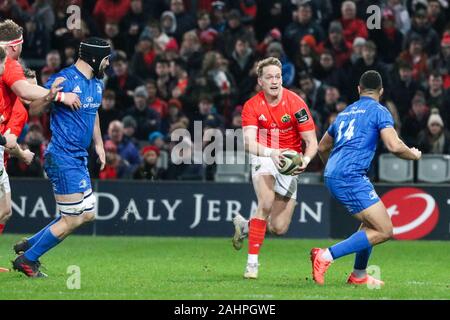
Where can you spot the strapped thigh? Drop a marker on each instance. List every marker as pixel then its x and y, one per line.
pixel 89 201
pixel 71 208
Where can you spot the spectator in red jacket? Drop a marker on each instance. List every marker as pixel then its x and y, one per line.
pixel 441 62
pixel 353 26
pixel 416 56
pixel 112 161
pixel 110 10
pixel 154 101
pixel 341 49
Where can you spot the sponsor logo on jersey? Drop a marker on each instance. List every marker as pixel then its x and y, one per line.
pixel 76 89
pixel 301 116
pixel 89 99
pixel 262 118
pixel 285 118
pixel 414 213
pixel 99 88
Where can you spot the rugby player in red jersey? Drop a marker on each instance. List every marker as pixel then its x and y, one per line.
pixel 274 120
pixel 13 115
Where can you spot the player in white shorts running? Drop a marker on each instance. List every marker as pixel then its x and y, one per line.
pixel 273 120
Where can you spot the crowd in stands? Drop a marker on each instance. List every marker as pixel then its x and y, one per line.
pixel 180 61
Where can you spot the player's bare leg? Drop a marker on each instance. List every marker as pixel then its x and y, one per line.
pixel 5 213
pixel 73 215
pixel 264 188
pixel 278 221
pixel 70 222
pixel 377 229
pixel 281 214
pixel 5 208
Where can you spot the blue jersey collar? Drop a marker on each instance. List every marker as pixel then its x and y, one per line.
pixel 79 72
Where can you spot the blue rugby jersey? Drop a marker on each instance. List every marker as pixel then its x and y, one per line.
pixel 72 130
pixel 356 132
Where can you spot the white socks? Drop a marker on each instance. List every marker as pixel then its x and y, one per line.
pixel 327 255
pixel 360 273
pixel 252 258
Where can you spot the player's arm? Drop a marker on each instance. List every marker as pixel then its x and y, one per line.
pixel 98 143
pixel 257 149
pixel 307 130
pixel 325 146
pixel 14 127
pixel 310 139
pixel 7 139
pixel 23 154
pixel 397 147
pixel 28 91
pixel 39 106
pixel 31 92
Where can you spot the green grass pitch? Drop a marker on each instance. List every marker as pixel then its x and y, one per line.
pixel 209 268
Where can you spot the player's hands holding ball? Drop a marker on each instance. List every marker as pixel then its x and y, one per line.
pixel 292 163
pixel 277 157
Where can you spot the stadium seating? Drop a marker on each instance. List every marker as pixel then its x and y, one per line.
pixel 163 160
pixel 434 168
pixel 236 167
pixel 393 169
pixel 310 177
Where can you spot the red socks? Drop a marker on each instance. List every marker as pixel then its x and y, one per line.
pixel 2 226
pixel 256 233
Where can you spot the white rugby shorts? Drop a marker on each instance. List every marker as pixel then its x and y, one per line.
pixel 4 179
pixel 285 185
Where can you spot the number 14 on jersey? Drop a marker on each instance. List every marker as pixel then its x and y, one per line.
pixel 348 134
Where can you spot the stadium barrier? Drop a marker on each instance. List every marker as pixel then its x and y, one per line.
pixel 206 209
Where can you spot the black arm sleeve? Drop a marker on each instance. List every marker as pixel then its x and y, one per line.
pixel 2 140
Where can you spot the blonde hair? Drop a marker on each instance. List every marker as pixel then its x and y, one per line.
pixel 271 61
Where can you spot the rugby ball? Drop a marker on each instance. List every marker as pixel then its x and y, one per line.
pixel 290 162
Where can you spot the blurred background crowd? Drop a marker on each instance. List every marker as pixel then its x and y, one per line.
pixel 179 61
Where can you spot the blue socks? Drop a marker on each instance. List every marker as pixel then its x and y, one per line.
pixel 355 243
pixel 45 243
pixel 362 259
pixel 38 235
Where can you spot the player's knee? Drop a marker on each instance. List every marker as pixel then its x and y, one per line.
pixel 266 203
pixel 71 223
pixel 5 214
pixel 278 230
pixel 385 234
pixel 388 233
pixel 89 216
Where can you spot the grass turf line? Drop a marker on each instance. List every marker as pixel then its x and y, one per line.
pixel 209 268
